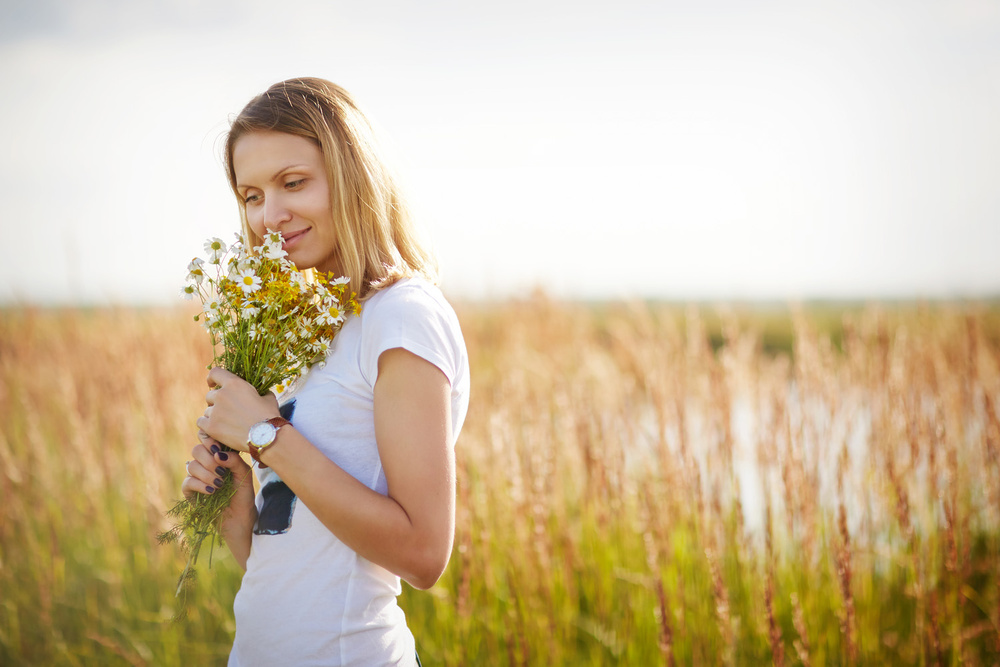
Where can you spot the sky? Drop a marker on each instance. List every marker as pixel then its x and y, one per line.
pixel 718 149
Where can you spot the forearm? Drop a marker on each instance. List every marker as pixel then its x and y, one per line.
pixel 377 527
pixel 239 520
pixel 238 536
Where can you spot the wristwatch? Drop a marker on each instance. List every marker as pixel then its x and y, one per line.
pixel 262 435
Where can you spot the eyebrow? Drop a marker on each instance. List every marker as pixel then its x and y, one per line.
pixel 276 174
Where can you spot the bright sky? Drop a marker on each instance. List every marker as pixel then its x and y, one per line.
pixel 602 150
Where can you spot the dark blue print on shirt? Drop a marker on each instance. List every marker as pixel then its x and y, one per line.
pixel 275 515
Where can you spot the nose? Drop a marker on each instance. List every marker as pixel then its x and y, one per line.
pixel 275 213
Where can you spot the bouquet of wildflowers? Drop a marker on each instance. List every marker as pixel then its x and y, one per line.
pixel 268 323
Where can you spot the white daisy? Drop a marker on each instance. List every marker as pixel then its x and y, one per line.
pixel 271 246
pixel 329 315
pixel 249 309
pixel 196 271
pixel 216 248
pixel 249 282
pixel 297 279
pixel 212 314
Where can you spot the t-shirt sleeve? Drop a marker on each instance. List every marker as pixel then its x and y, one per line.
pixel 412 317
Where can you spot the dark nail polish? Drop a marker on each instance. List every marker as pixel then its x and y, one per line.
pixel 218 483
pixel 223 456
pixel 215 449
pixel 222 471
pixel 210 489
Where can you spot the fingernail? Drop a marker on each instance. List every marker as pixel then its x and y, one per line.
pixel 215 449
pixel 223 456
pixel 221 471
pixel 210 489
pixel 218 483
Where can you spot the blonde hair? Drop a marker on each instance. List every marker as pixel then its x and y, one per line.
pixel 377 243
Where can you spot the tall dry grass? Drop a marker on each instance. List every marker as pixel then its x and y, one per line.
pixel 637 485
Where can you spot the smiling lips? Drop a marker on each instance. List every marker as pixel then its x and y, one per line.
pixel 292 239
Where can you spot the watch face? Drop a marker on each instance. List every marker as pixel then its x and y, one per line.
pixel 262 434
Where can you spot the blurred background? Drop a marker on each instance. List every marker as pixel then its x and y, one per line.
pixel 639 482
pixel 719 150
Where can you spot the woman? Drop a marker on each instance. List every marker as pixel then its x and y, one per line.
pixel 357 470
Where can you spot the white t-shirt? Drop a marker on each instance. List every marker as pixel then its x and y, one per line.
pixel 307 598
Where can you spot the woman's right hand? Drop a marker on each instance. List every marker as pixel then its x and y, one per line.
pixel 207 471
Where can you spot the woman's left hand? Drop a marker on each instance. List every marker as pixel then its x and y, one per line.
pixel 233 407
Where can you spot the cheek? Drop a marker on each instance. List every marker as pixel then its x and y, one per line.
pixel 256 224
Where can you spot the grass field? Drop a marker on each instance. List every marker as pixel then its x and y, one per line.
pixel 638 484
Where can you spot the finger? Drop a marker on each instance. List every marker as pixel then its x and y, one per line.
pixel 218 376
pixel 202 424
pixel 229 461
pixel 199 479
pixel 217 448
pixel 210 396
pixel 192 486
pixel 205 469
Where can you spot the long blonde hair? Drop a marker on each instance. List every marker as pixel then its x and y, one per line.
pixel 377 243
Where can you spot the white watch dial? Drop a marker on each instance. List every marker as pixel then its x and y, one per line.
pixel 262 434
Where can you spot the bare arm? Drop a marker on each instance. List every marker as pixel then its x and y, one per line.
pixel 410 531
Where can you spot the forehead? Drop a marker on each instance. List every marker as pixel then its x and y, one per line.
pixel 259 155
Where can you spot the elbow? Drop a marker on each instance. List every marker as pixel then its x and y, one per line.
pixel 422 583
pixel 427 570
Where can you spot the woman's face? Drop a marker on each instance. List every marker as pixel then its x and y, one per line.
pixel 282 179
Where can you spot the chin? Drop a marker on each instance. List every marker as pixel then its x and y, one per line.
pixel 301 262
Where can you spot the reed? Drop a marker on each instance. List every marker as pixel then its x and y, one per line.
pixel 637 484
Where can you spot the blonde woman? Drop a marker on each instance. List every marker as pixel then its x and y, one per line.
pixel 356 465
